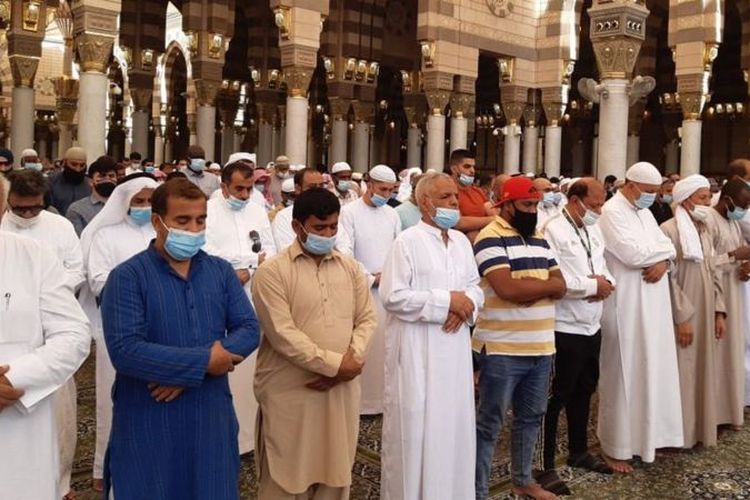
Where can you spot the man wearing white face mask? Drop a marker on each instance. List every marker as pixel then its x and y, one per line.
pixel 371 226
pixel 30 160
pixel 575 238
pixel 430 290
pixel 119 231
pixel 238 231
pixel 639 407
pixel 698 308
pixel 343 187
pixel 196 171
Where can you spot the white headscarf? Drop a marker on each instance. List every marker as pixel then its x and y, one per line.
pixel 114 211
pixel 690 240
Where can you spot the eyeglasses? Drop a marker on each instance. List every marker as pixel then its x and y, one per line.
pixel 21 211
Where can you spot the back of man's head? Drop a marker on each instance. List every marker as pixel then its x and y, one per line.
pixel 739 167
pixel 28 183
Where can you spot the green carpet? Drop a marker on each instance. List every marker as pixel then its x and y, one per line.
pixel 717 473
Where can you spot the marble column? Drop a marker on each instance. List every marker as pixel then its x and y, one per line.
pixel 265 143
pixel 168 147
pixel 513 99
pixel 554 102
pixel 158 149
pixel 437 100
pixel 65 141
pixel 227 143
pixel 692 127
pixel 297 109
pixel 633 150
pixel 414 146
pixel 205 116
pixel 339 128
pixel 374 157
pixel 613 128
pixel 530 137
pixel 672 157
pixel 595 150
pixel 94 52
pixel 361 147
pixel 21 120
pixel 459 131
pixel 511 148
pixel 140 132
pixel 193 129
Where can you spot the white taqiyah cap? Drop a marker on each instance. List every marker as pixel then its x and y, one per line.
pixel 215 167
pixel 28 152
pixel 241 156
pixel 382 173
pixel 341 166
pixel 645 173
pixel 685 188
pixel 288 185
pixel 357 176
pixel 296 167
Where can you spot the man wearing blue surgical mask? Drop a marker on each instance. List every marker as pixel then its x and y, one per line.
pixel 662 207
pixel 551 202
pixel 317 317
pixel 30 160
pixel 343 186
pixel 195 171
pixel 371 226
pixel 176 321
pixel 475 215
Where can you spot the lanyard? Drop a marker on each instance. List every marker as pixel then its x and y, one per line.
pixel 586 244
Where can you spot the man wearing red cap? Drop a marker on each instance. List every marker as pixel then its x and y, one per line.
pixel 515 335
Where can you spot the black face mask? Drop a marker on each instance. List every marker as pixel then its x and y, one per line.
pixel 105 188
pixel 73 176
pixel 524 222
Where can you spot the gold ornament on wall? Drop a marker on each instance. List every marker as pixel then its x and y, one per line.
pixel 427 48
pixel 283 21
pixel 147 59
pixel 349 68
pixel 31 15
pixel 215 45
pixel 373 70
pixel 501 8
pixel 506 65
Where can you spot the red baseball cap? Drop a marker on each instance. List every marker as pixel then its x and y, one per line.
pixel 518 188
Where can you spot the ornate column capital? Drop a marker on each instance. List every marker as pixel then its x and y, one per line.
pixel 692 90
pixel 437 100
pixel 339 107
pixel 298 80
pixel 23 69
pixel 94 51
pixel 618 30
pixel 228 102
pixel 206 92
pixel 266 112
pixel 141 98
pixel 363 111
pixel 462 105
pixel 513 100
pixel 66 101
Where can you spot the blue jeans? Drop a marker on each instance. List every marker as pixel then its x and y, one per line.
pixel 523 381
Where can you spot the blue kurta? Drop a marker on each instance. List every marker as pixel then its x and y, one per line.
pixel 159 327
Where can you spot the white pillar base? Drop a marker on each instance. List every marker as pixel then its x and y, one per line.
pixel 296 130
pixel 459 133
pixel 435 157
pixel 634 150
pixel 414 147
pixel 92 119
pixel 158 150
pixel 339 135
pixel 613 129
pixel 21 121
pixel 553 147
pixel 360 147
pixel 205 120
pixel 672 157
pixel 512 151
pixel 265 144
pixel 530 136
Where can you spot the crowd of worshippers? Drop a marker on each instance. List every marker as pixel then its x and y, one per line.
pixel 239 308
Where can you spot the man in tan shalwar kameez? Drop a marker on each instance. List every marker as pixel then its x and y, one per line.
pixel 317 318
pixel 697 308
pixel 730 250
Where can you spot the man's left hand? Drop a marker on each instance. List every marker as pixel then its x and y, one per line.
pixel 8 394
pixel 453 323
pixel 322 383
pixel 376 283
pixel 721 326
pixel 164 393
pixel 655 272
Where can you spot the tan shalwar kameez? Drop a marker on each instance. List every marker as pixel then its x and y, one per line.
pixel 310 315
pixel 695 288
pixel 730 362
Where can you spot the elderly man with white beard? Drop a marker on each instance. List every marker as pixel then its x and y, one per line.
pixel 430 290
pixel 639 406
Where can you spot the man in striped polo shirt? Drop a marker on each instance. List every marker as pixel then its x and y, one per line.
pixel 515 335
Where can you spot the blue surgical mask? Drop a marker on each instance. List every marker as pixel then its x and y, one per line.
pixel 319 245
pixel 344 186
pixel 197 165
pixel 259 187
pixel 378 200
pixel 551 199
pixel 645 200
pixel 149 169
pixel 33 166
pixel 446 218
pixel 666 198
pixel 236 204
pixel 466 180
pixel 736 213
pixel 140 215
pixel 183 245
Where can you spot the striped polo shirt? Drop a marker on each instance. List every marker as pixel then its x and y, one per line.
pixel 506 327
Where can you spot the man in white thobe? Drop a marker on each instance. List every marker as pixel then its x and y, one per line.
pixel 44 339
pixel 238 231
pixel 639 397
pixel 430 290
pixel 551 203
pixel 26 216
pixel 119 231
pixel 371 226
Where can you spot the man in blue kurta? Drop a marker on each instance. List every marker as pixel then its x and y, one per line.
pixel 176 321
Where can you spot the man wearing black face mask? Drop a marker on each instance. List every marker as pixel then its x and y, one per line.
pixel 102 177
pixel 70 185
pixel 515 333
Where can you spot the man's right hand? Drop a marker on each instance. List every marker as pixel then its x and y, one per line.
pixel 349 367
pixel 221 361
pixel 684 334
pixel 603 287
pixel 461 305
pixel 742 253
pixel 243 275
pixel 8 394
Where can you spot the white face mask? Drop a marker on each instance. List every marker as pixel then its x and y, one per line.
pixel 700 213
pixel 590 217
pixel 21 222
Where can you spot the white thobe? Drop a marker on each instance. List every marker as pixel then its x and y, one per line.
pixel 58 234
pixel 429 438
pixel 370 232
pixel 639 388
pixel 44 338
pixel 227 236
pixel 745 226
pixel 544 213
pixel 110 247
